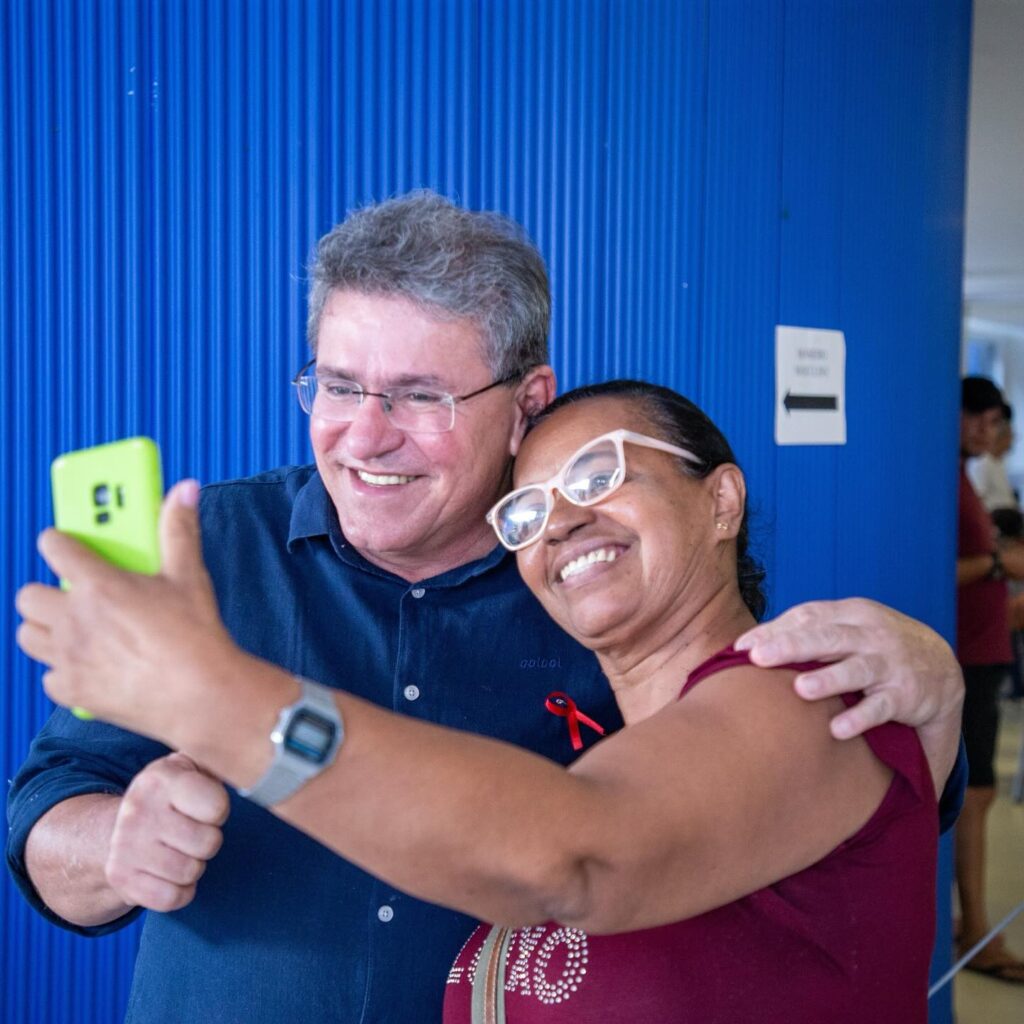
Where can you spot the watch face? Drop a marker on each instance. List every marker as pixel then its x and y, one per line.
pixel 310 736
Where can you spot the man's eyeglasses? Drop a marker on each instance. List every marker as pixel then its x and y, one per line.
pixel 418 409
pixel 589 476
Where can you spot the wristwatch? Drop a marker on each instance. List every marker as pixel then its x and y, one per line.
pixel 306 740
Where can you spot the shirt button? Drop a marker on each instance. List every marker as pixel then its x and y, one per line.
pixel 418 592
pixel 385 914
pixel 411 692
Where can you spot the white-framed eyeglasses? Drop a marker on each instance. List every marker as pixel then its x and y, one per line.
pixel 414 408
pixel 589 475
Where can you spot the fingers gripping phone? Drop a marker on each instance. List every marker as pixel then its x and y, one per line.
pixel 108 497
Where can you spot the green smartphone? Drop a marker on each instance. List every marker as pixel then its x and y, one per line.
pixel 108 497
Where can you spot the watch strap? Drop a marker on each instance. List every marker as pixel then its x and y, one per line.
pixel 288 772
pixel 279 783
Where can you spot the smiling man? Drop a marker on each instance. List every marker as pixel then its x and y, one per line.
pixel 374 570
pixel 406 484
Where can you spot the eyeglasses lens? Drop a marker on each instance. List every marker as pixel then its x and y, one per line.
pixel 521 517
pixel 594 473
pixel 406 408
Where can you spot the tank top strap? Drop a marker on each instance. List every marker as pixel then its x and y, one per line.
pixel 729 657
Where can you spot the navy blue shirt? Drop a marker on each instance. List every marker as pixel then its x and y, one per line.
pixel 281 929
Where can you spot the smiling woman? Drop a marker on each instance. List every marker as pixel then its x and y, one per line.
pixel 701 480
pixel 728 891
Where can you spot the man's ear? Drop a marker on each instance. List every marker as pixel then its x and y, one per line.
pixel 534 392
pixel 730 495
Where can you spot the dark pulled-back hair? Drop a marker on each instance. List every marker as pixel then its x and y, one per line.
pixel 678 421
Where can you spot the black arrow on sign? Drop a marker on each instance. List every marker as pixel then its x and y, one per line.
pixel 817 402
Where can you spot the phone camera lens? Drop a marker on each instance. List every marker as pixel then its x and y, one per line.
pixel 101 494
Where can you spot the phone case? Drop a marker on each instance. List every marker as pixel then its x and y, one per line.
pixel 108 497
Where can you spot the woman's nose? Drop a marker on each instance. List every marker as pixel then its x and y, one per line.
pixel 566 518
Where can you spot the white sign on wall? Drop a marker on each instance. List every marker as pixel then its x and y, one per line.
pixel 810 386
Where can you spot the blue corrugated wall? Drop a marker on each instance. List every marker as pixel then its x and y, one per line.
pixel 694 172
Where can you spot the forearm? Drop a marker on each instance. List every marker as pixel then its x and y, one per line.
pixel 447 816
pixel 940 738
pixel 628 838
pixel 66 854
pixel 973 568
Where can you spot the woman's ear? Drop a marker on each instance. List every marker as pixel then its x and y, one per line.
pixel 730 497
pixel 534 392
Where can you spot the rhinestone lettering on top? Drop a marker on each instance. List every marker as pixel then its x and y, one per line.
pixel 560 990
pixel 457 970
pixel 529 959
pixel 517 976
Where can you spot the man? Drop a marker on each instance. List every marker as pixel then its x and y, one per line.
pixel 983 647
pixel 987 473
pixel 375 570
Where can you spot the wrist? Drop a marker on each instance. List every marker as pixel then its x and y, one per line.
pixel 235 707
pixel 305 740
pixel 940 740
pixel 997 571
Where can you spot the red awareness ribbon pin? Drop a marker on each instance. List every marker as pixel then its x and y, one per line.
pixel 564 706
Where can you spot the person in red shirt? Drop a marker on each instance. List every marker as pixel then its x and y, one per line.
pixel 984 652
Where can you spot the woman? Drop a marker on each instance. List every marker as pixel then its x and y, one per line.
pixel 815 892
pixel 720 858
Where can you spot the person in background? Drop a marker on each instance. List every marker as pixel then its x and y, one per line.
pixel 983 648
pixel 987 472
pixel 374 569
pixel 991 482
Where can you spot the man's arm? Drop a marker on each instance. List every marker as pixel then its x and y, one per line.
pixel 66 856
pixel 974 568
pixel 93 858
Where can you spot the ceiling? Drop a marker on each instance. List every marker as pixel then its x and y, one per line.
pixel 994 243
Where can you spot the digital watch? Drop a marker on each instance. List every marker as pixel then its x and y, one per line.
pixel 306 739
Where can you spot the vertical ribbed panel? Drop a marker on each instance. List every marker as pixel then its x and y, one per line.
pixel 693 172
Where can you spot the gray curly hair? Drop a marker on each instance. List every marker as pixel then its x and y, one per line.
pixel 454 263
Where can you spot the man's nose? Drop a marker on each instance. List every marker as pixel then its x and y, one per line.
pixel 370 433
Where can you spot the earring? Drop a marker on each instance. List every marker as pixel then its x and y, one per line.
pixel 721 526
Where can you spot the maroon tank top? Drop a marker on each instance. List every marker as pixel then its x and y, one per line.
pixel 845 941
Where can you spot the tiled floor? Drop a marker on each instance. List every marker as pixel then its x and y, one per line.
pixel 980 1000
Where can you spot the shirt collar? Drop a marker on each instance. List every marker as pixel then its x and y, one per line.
pixel 312 512
pixel 313 515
